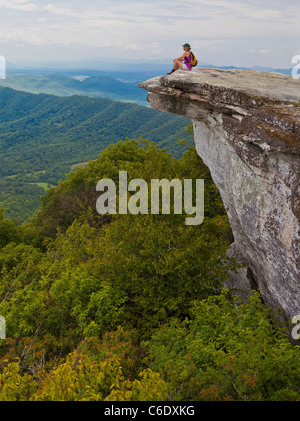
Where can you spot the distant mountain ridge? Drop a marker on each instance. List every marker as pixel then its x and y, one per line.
pixel 118 85
pixel 61 85
pixel 105 65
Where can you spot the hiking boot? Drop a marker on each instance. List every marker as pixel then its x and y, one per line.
pixel 172 71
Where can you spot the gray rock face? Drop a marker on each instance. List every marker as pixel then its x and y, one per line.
pixel 247 131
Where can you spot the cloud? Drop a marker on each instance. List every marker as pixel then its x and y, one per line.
pixel 260 51
pixel 222 30
pixel 134 47
pixel 24 5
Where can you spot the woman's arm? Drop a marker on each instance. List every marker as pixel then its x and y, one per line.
pixel 181 58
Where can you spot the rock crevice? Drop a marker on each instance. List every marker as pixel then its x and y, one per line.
pixel 247 131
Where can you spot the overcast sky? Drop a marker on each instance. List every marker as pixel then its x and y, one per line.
pixel 221 32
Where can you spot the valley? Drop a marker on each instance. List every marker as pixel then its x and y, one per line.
pixel 43 137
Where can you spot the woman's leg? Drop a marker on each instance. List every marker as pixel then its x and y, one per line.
pixel 177 64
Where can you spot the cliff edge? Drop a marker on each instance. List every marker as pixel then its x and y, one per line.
pixel 247 131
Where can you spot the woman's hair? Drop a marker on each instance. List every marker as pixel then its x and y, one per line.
pixel 187 45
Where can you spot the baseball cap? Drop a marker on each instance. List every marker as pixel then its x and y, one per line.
pixel 186 45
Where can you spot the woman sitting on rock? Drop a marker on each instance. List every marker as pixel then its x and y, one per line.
pixel 183 62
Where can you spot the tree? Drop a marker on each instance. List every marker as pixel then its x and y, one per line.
pixel 9 231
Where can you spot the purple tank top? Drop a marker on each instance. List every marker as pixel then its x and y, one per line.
pixel 187 62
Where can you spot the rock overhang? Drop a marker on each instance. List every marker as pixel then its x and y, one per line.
pixel 243 87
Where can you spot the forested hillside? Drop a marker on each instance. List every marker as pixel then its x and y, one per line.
pixel 43 137
pixel 103 86
pixel 131 307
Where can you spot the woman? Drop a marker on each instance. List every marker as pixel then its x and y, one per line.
pixel 183 62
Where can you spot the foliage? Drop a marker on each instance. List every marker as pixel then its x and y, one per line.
pixel 9 231
pixel 98 275
pixel 91 372
pixel 131 307
pixel 81 379
pixel 226 351
pixel 75 198
pixel 14 386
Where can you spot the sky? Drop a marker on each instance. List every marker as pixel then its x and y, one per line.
pixel 221 32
